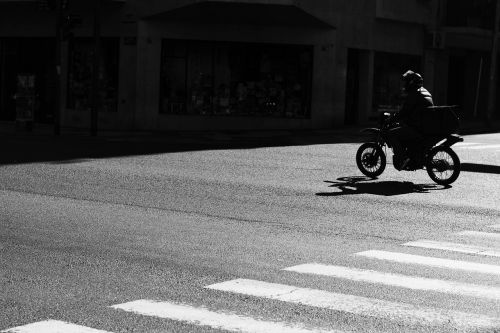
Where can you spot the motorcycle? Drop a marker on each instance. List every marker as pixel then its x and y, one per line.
pixel 433 153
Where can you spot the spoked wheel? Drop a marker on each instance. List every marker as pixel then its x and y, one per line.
pixel 370 159
pixel 443 165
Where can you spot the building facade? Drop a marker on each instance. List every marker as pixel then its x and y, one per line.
pixel 241 64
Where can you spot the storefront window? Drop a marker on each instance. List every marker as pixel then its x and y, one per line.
pixel 389 67
pixel 214 78
pixel 23 57
pixel 80 74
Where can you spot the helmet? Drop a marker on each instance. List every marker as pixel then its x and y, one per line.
pixel 412 80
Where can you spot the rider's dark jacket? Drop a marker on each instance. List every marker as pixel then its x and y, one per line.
pixel 416 101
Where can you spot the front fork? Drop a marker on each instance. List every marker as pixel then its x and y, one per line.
pixel 383 144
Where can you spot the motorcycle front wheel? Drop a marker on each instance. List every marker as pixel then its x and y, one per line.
pixel 443 165
pixel 371 159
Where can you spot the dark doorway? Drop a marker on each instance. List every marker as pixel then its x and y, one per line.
pixel 352 88
pixel 388 69
pixel 28 56
pixel 456 80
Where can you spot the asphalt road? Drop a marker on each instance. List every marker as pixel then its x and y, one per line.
pixel 214 230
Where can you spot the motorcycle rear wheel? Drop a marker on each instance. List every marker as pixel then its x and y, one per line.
pixel 371 159
pixel 443 165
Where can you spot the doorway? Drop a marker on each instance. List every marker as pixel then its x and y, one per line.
pixel 352 88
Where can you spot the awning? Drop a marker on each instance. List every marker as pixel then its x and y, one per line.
pixel 224 12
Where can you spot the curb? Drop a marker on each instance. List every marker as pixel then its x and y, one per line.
pixel 9 130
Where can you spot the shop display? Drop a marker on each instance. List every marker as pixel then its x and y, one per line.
pixel 235 79
pixel 25 98
pixel 80 75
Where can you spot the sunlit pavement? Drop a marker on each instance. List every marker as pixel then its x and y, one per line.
pixel 273 233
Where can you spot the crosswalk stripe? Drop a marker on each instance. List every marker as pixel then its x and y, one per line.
pixel 398 280
pixel 405 258
pixel 363 306
pixel 485 146
pixel 215 319
pixel 463 144
pixel 456 247
pixel 479 234
pixel 52 326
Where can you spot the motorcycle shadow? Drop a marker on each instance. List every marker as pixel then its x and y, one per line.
pixel 366 185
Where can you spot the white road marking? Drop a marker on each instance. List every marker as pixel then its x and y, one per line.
pixel 398 280
pixel 495 227
pixel 52 326
pixel 218 320
pixel 466 144
pixel 456 247
pixel 479 234
pixel 431 261
pixel 363 306
pixel 484 146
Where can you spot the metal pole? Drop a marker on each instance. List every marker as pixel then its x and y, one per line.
pixel 493 66
pixel 58 64
pixel 96 68
pixel 478 88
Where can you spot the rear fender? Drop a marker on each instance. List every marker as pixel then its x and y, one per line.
pixel 451 140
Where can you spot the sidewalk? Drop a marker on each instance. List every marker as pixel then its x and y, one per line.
pixel 341 134
pixel 41 145
pixel 46 131
pixel 480 127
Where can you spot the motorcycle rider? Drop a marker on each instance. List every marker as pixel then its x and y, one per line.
pixel 417 98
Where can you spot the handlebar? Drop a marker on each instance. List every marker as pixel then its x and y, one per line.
pixel 388 120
